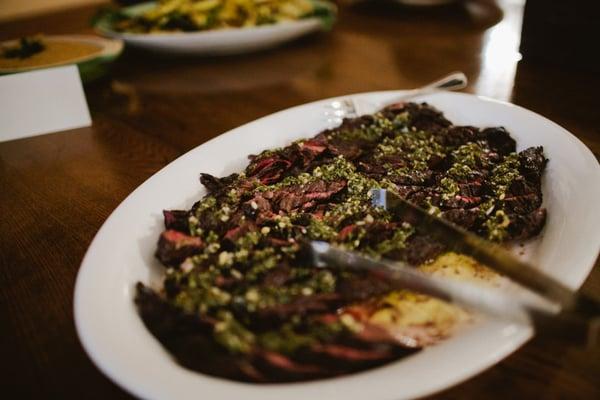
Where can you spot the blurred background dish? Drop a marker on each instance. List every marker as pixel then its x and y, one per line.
pixel 91 54
pixel 215 27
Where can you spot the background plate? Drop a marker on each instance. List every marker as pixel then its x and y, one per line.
pixel 220 41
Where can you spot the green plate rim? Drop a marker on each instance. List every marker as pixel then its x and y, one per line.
pixel 325 11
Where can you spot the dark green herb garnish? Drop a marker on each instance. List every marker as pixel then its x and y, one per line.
pixel 234 259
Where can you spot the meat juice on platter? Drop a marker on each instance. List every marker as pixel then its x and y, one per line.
pixel 239 302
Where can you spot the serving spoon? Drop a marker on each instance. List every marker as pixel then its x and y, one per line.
pixel 354 106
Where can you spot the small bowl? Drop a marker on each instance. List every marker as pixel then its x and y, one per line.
pixel 91 66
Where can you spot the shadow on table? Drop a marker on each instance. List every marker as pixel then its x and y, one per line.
pixel 389 16
pixel 428 42
pixel 574 105
pixel 148 73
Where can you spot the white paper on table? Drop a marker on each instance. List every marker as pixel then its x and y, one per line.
pixel 42 101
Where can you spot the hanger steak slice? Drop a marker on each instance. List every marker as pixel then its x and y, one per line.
pixel 239 301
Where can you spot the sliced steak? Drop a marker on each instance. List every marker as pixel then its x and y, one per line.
pixel 174 247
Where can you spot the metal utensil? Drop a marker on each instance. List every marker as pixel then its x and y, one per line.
pixel 547 318
pixel 484 251
pixel 570 313
pixel 354 106
pixel 488 300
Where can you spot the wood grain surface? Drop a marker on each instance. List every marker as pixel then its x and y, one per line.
pixel 56 190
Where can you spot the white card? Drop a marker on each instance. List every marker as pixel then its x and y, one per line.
pixel 42 101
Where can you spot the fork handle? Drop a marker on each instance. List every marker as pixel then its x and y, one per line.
pixel 453 81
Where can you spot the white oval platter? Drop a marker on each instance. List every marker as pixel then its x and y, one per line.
pixel 122 254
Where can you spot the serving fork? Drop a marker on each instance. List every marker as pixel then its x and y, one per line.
pixel 354 106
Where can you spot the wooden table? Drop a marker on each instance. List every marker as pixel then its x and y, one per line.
pixel 56 190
